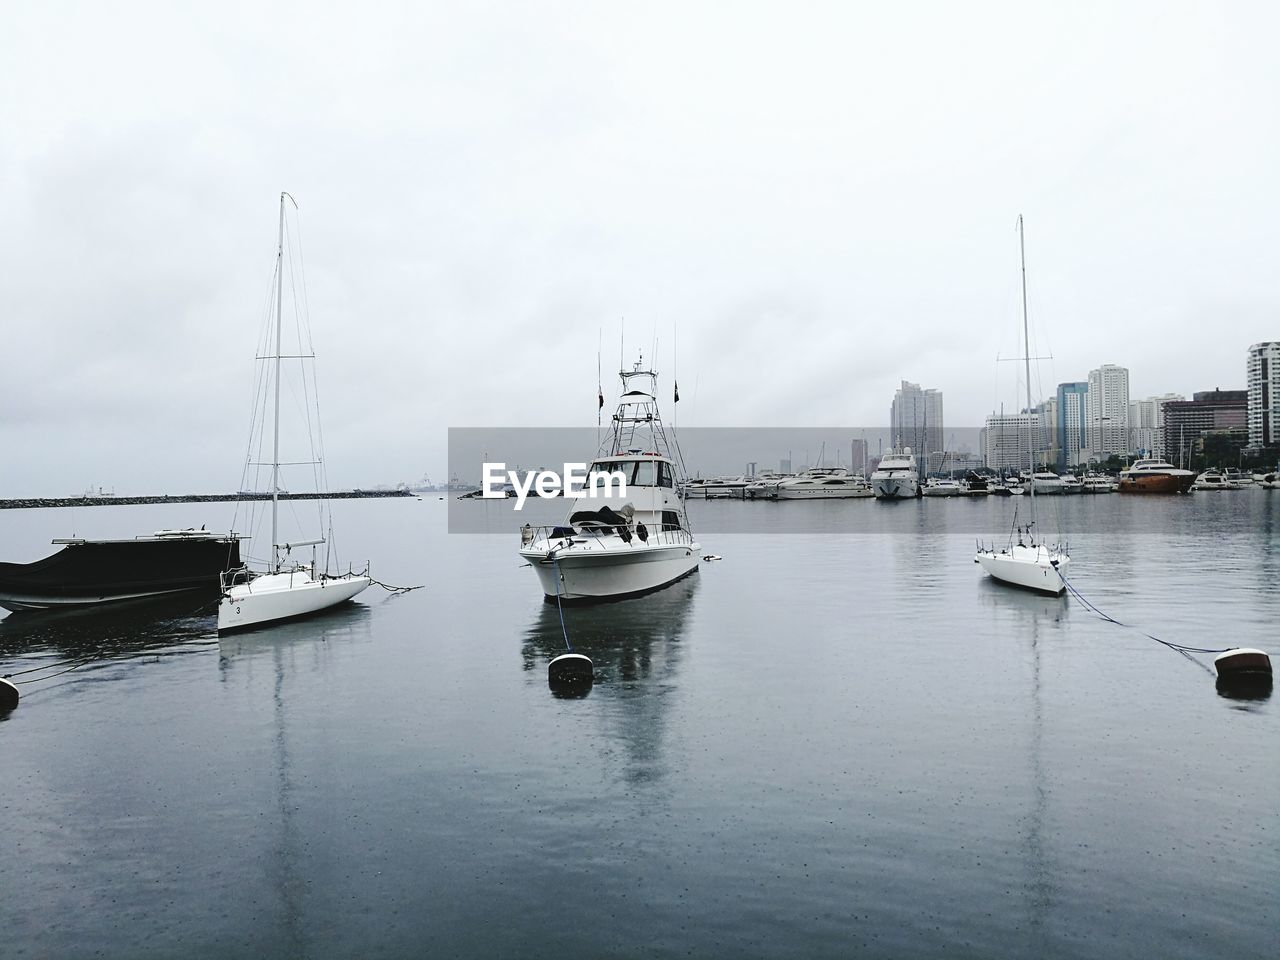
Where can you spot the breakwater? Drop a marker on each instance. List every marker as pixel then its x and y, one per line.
pixel 83 501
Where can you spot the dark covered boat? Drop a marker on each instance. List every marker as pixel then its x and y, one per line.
pixel 88 572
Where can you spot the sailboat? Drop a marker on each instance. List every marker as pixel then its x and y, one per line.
pixel 1030 562
pixel 287 588
pixel 636 542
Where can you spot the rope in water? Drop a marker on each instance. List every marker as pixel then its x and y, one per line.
pixel 1092 608
pixel 393 590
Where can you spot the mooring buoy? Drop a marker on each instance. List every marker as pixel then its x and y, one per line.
pixel 1243 664
pixel 9 696
pixel 571 669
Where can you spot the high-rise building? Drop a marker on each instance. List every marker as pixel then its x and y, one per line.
pixel 915 419
pixel 1007 437
pixel 1146 425
pixel 1107 411
pixel 858 456
pixel 1073 431
pixel 1186 421
pixel 1263 370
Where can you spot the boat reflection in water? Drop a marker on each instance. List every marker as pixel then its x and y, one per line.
pixel 126 628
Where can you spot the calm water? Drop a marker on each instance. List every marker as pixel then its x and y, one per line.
pixel 820 746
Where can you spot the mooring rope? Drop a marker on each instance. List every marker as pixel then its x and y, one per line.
pixel 1092 608
pixel 394 590
pixel 555 566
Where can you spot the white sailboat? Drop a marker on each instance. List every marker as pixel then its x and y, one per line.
pixel 287 588
pixel 634 542
pixel 1029 562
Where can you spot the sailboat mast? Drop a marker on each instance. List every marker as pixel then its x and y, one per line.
pixel 275 442
pixel 1026 342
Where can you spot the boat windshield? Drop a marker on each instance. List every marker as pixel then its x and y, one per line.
pixel 638 473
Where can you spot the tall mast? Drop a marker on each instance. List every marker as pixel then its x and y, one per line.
pixel 275 443
pixel 1026 342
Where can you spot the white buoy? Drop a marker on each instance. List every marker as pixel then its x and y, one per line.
pixel 9 696
pixel 1243 664
pixel 571 669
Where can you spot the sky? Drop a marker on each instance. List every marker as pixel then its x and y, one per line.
pixel 797 205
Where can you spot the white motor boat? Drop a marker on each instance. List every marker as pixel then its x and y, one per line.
pixel 1213 480
pixel 1097 483
pixel 287 588
pixel 624 544
pixel 943 487
pixel 896 477
pixel 1071 483
pixel 764 486
pixel 716 488
pixel 1269 481
pixel 823 483
pixel 1030 562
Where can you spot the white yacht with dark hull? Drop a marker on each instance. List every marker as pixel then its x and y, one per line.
pixel 896 477
pixel 619 545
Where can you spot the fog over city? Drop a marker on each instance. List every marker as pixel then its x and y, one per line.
pixel 795 207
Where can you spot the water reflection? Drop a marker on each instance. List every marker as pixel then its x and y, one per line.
pixel 1035 616
pixel 629 641
pixel 296 653
pixel 635 646
pixel 348 622
pixel 113 630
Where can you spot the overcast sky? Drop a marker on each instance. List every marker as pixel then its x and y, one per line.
pixel 810 201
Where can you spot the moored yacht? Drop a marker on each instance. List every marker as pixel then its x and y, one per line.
pixel 1097 483
pixel 1213 480
pixel 637 539
pixel 943 487
pixel 1155 476
pixel 1071 483
pixel 823 483
pixel 896 477
pixel 764 486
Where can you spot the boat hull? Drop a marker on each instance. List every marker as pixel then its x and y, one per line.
pixel 1027 567
pixel 1157 483
pixel 830 493
pixel 611 574
pixel 94 572
pixel 895 488
pixel 283 596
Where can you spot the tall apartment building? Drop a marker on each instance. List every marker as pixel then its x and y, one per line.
pixel 1006 437
pixel 915 419
pixel 1263 372
pixel 1073 426
pixel 1107 410
pixel 1186 421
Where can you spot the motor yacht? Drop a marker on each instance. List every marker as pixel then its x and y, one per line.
pixel 637 538
pixel 1071 483
pixel 896 477
pixel 1213 480
pixel 1097 483
pixel 823 483
pixel 764 486
pixel 1155 476
pixel 943 487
